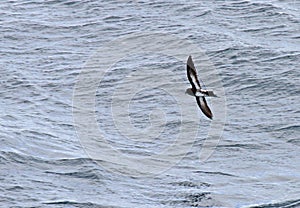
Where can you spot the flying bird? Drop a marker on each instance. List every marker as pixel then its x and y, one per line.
pixel 196 89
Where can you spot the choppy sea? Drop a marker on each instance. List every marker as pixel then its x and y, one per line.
pixel 94 111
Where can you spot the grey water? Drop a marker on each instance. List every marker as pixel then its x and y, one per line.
pixel 50 155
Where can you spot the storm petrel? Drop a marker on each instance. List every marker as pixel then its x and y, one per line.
pixel 196 89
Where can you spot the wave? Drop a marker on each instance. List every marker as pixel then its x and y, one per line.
pixel 284 204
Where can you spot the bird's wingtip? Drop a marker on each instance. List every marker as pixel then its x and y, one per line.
pixel 190 61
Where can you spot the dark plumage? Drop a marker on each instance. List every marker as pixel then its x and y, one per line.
pixel 196 89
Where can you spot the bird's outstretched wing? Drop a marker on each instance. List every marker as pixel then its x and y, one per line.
pixel 201 101
pixel 192 75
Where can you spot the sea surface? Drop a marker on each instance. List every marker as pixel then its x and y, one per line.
pixel 94 111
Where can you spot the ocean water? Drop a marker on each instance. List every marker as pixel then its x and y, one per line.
pixel 94 111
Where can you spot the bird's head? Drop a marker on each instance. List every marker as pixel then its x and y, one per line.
pixel 189 92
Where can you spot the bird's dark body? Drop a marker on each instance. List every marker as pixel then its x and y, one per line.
pixel 196 87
